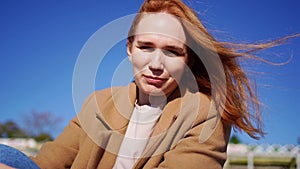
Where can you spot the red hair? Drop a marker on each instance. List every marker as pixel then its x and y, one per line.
pixel 242 107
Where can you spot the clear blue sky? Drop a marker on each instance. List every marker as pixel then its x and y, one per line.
pixel 41 40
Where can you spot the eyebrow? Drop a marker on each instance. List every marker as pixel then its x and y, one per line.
pixel 172 47
pixel 175 48
pixel 144 43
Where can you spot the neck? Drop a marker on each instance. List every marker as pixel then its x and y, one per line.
pixel 144 99
pixel 152 100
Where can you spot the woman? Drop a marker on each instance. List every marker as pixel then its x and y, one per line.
pixel 188 92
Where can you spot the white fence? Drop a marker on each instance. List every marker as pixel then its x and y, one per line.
pixel 282 156
pixel 240 156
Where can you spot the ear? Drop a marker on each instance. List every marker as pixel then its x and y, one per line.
pixel 129 53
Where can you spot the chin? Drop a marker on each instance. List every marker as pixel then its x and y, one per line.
pixel 152 90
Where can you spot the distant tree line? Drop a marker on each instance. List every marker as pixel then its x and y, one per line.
pixel 10 129
pixel 234 139
pixel 36 125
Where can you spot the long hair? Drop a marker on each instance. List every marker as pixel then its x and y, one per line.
pixel 241 107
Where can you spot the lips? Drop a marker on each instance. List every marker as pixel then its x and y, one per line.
pixel 157 81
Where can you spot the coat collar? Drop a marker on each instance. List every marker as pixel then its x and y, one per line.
pixel 115 112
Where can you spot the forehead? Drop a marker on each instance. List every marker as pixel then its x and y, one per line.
pixel 161 24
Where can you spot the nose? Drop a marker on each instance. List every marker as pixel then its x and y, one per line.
pixel 156 62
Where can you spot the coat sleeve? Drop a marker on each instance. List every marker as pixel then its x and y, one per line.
pixel 61 152
pixel 192 153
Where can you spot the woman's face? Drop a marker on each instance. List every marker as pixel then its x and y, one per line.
pixel 158 54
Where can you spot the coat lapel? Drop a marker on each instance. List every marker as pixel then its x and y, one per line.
pixel 177 118
pixel 116 112
pixel 168 116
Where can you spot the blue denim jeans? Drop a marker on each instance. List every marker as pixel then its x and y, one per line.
pixel 15 158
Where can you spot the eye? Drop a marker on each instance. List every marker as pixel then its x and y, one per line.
pixel 172 53
pixel 146 48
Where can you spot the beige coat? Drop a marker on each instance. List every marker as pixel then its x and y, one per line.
pixel 188 135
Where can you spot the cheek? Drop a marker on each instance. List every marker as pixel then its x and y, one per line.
pixel 138 62
pixel 175 67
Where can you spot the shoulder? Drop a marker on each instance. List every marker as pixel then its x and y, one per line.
pixel 111 94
